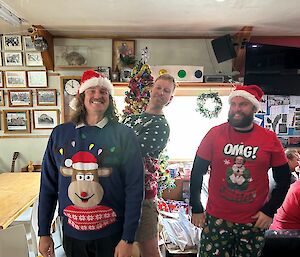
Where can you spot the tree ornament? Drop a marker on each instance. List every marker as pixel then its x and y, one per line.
pixel 209 105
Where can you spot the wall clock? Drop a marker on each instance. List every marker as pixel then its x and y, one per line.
pixel 68 88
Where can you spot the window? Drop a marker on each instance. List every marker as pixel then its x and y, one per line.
pixel 188 127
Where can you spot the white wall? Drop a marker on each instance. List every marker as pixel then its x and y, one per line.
pixel 162 51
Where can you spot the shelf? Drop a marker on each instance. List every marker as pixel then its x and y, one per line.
pixel 73 67
pixel 185 88
pixel 185 84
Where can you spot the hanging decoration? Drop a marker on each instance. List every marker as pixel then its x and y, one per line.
pixel 209 105
pixel 164 181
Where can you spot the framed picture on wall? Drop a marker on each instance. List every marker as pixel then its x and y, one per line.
pixel 46 97
pixel 12 42
pixel 33 59
pixel 16 121
pixel 37 79
pixel 13 59
pixel 18 98
pixel 28 44
pixel 0 58
pixel 14 79
pixel 123 53
pixel 2 103
pixel 45 119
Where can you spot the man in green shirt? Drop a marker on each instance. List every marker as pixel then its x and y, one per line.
pixel 153 131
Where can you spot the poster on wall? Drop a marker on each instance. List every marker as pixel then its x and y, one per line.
pixel 281 114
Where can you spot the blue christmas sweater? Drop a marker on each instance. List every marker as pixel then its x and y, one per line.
pixel 96 173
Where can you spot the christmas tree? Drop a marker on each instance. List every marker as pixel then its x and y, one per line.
pixel 140 83
pixel 137 99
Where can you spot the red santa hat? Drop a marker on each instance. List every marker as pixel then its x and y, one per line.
pixel 91 78
pixel 252 93
pixel 82 161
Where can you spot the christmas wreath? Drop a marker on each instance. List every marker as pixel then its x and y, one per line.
pixel 209 105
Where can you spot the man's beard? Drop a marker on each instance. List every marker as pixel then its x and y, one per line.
pixel 246 120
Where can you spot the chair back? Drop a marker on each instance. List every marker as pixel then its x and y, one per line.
pixel 13 242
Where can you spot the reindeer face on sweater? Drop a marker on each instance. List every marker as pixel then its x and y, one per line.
pixel 86 193
pixel 85 190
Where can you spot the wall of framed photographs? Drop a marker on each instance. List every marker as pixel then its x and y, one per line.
pixel 37 97
pixel 27 103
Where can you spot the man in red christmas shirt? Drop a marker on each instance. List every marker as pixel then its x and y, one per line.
pixel 236 218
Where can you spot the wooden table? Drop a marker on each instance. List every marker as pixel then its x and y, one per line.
pixel 18 191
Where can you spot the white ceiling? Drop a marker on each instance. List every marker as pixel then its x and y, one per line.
pixel 156 18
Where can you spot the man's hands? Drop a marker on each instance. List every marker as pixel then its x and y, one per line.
pixel 198 219
pixel 123 249
pixel 262 220
pixel 46 246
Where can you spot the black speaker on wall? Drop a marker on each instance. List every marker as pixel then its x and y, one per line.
pixel 223 48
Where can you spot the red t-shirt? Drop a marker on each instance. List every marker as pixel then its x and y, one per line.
pixel 288 215
pixel 239 161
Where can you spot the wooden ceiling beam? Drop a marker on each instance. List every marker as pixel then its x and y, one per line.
pixel 239 40
pixel 47 55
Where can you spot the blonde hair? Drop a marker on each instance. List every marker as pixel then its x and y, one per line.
pixel 290 153
pixel 169 78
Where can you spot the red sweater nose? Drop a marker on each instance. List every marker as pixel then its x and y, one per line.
pixel 83 194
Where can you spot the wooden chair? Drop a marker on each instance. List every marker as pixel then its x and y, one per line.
pixel 34 167
pixel 13 242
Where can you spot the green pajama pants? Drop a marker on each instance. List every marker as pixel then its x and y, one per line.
pixel 226 239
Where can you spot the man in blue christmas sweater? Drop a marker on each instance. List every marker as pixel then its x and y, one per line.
pixel 93 167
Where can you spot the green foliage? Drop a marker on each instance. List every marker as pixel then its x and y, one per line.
pixel 204 109
pixel 165 181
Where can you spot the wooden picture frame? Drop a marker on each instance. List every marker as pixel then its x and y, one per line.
pixel 12 42
pixel 16 121
pixel 46 97
pixel 0 58
pixel 33 59
pixel 28 44
pixel 15 79
pixel 2 101
pixel 122 49
pixel 20 98
pixel 45 119
pixel 13 59
pixel 1 79
pixel 37 78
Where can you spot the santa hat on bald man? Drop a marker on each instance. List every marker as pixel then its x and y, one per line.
pixel 252 93
pixel 91 78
